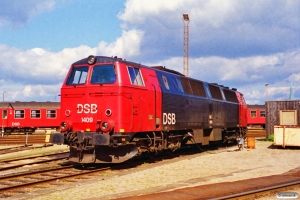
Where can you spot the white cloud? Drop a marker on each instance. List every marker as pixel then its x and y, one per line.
pixel 127 45
pixel 137 12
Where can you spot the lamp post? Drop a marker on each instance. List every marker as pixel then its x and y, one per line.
pixel 266 91
pixel 2 133
pixel 186 21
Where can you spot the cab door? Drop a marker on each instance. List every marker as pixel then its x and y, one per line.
pixel 153 103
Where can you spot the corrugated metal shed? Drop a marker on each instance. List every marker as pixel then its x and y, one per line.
pixel 272 113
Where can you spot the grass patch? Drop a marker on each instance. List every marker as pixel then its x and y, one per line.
pixel 271 138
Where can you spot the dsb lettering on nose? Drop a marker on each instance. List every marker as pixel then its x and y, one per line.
pixel 87 108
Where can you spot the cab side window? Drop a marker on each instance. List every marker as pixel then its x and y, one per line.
pixel 135 76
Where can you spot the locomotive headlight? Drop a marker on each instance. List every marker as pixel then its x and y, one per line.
pixel 107 126
pixel 91 60
pixel 104 126
pixel 65 126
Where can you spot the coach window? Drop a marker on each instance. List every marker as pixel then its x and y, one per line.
pixel 35 114
pixel 19 114
pixel 135 76
pixel 51 114
pixel 78 75
pixel 103 74
pixel 262 113
pixel 253 113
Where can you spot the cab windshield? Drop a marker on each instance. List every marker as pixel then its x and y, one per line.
pixel 103 74
pixel 78 75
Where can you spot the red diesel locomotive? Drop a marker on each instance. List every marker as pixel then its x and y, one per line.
pixel 29 116
pixel 114 110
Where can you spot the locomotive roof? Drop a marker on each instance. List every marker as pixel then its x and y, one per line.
pixel 32 104
pixel 105 59
pixel 163 68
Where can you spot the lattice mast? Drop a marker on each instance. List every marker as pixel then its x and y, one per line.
pixel 186 21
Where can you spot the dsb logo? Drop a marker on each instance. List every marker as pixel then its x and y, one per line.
pixel 169 118
pixel 87 108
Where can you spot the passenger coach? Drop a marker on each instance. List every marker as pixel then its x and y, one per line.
pixel 27 117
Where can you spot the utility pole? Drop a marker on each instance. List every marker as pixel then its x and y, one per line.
pixel 186 21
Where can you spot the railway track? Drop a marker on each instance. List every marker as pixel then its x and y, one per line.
pixel 9 164
pixel 26 174
pixel 11 185
pixel 21 148
pixel 271 192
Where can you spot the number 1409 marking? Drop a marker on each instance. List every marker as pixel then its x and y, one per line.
pixel 86 119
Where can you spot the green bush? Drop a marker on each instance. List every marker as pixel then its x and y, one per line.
pixel 271 138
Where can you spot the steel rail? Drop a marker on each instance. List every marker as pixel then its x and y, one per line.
pixel 21 148
pixel 31 157
pixel 32 163
pixel 250 192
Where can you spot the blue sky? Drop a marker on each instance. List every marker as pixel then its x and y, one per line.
pixel 238 43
